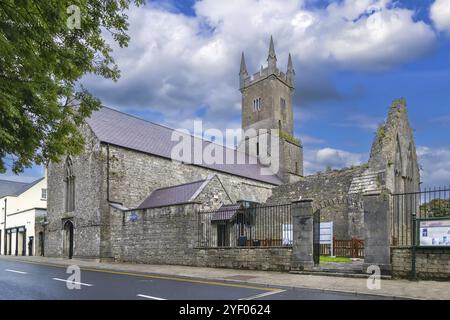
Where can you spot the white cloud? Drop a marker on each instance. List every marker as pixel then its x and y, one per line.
pixel 435 163
pixel 320 159
pixel 440 14
pixel 311 140
pixel 362 121
pixel 176 63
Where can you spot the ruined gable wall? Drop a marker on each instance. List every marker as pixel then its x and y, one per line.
pixel 330 192
pixel 394 151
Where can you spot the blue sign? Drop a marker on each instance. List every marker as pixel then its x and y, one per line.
pixel 133 217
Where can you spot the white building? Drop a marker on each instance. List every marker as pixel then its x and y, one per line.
pixel 20 205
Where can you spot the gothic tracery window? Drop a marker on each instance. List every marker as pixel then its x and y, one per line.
pixel 69 180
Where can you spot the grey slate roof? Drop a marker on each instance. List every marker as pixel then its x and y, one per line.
pixel 13 188
pixel 179 194
pixel 226 212
pixel 124 130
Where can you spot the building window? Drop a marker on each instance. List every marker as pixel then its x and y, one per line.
pixel 257 149
pixel 282 103
pixel 70 186
pixel 257 105
pixel 44 194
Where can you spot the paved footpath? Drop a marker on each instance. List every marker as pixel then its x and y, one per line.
pixel 389 288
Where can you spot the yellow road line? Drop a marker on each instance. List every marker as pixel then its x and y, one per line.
pixel 208 282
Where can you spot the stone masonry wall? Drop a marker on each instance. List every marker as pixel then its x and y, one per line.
pixel 134 175
pixel 169 236
pixel 158 236
pixel 329 191
pixel 90 202
pixel 394 151
pixel 431 263
pixel 273 259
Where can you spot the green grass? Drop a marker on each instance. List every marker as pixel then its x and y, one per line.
pixel 326 259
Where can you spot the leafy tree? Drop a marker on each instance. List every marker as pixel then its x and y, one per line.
pixel 436 208
pixel 45 48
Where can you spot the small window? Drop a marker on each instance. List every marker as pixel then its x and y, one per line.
pixel 44 194
pixel 282 103
pixel 256 104
pixel 257 149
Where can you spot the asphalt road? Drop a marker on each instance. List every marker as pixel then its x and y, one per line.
pixel 30 281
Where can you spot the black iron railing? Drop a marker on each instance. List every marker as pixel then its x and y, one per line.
pixel 257 226
pixel 430 203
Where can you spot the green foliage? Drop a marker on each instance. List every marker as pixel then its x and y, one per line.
pixel 436 208
pixel 381 131
pixel 288 137
pixel 327 259
pixel 398 103
pixel 41 61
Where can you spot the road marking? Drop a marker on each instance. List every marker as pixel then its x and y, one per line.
pixel 172 278
pixel 262 295
pixel 15 271
pixel 74 282
pixel 149 297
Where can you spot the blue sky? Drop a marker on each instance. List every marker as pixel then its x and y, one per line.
pixel 352 58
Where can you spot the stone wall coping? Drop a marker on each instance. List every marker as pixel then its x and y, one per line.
pixel 171 205
pixel 426 248
pixel 372 193
pixel 240 248
pixel 303 200
pixel 159 207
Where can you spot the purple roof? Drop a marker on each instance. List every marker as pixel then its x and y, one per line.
pixel 179 194
pixel 13 188
pixel 120 129
pixel 226 212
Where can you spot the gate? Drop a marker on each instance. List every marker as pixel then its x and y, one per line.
pixel 316 237
pixel 237 226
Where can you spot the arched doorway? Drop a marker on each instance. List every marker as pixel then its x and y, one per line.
pixel 68 239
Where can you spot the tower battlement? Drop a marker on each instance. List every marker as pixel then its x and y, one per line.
pixel 267 99
pixel 288 77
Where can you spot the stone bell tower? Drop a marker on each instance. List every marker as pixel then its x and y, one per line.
pixel 267 98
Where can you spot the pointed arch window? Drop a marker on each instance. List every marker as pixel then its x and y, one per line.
pixel 410 167
pixel 69 181
pixel 257 105
pixel 398 169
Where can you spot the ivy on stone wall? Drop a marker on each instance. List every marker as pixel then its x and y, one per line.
pixel 288 137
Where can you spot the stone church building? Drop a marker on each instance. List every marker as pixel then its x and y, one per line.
pixel 126 175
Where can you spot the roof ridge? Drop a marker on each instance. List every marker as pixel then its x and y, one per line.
pixel 138 118
pixel 5 180
pixel 28 186
pixel 172 129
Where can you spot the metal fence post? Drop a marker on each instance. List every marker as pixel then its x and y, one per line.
pixel 413 249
